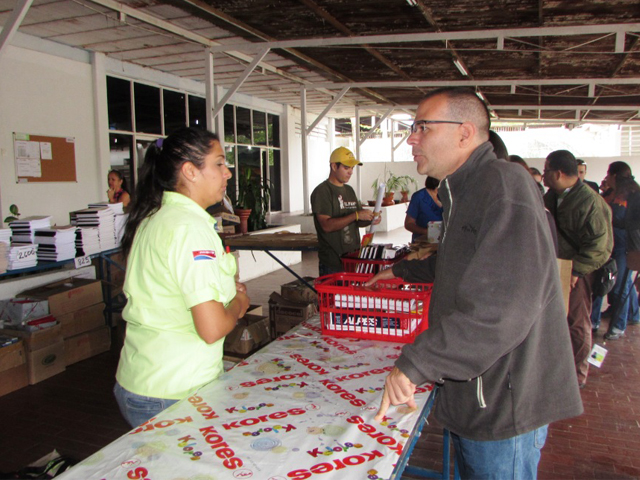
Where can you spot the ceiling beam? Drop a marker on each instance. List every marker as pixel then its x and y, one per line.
pixel 485 83
pixel 618 28
pixel 13 22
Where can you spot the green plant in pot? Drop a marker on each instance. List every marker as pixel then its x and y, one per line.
pixel 393 183
pixel 254 197
pixel 15 214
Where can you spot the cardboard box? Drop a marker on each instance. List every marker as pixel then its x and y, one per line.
pixel 68 295
pixel 83 320
pixel 13 368
pixel 86 345
pixel 229 218
pixel 45 362
pixel 38 339
pixel 297 291
pixel 44 352
pixel 251 332
pixel 18 310
pixel 284 314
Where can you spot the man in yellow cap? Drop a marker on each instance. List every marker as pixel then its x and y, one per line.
pixel 337 213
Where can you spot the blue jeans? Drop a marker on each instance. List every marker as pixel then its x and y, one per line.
pixel 625 300
pixel 137 409
pixel 515 458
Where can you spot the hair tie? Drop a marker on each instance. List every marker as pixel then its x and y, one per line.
pixel 159 142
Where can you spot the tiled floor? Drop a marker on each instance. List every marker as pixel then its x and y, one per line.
pixel 74 412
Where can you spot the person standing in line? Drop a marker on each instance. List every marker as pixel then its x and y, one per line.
pixel 337 213
pixel 182 297
pixel 582 173
pixel 424 207
pixel 497 342
pixel 585 236
pixel 623 299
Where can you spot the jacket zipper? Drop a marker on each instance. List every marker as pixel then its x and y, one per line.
pixel 480 393
pixel 446 223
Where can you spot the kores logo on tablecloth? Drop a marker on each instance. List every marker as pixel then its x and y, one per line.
pixel 281 378
pixel 150 425
pixel 338 390
pixel 222 449
pixel 327 467
pixel 379 437
pixel 201 406
pixel 247 422
pixel 309 364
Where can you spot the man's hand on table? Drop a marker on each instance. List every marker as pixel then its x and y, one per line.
pixel 398 390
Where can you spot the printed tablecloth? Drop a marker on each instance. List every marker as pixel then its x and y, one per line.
pixel 302 407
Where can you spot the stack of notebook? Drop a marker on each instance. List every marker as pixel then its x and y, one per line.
pixel 22 256
pixel 5 241
pixel 23 231
pixel 56 244
pixel 87 241
pixel 101 218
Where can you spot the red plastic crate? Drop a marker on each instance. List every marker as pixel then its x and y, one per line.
pixel 392 310
pixel 352 264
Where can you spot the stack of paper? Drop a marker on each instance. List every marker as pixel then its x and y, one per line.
pixel 5 241
pixel 117 208
pixel 56 244
pixel 87 241
pixel 23 231
pixel 22 256
pixel 120 223
pixel 101 218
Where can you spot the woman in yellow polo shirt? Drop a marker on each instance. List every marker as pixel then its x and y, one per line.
pixel 182 297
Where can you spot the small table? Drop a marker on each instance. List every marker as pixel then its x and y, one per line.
pixel 301 406
pixel 284 241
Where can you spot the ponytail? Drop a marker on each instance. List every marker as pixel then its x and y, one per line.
pixel 160 172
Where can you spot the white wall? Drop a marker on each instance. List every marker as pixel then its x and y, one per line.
pixel 46 95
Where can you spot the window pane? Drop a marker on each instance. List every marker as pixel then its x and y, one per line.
pixel 243 122
pixel 259 128
pixel 274 177
pixel 119 103
pixel 147 101
pixel 273 122
pixel 229 124
pixel 230 153
pixel 197 112
pixel 141 150
pixel 175 111
pixel 121 159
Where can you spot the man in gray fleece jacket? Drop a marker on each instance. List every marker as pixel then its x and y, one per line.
pixel 498 342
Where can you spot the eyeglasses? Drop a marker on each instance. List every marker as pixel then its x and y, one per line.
pixel 421 125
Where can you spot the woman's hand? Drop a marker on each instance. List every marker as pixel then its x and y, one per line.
pixel 241 287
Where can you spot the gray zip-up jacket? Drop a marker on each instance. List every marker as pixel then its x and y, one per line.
pixel 498 337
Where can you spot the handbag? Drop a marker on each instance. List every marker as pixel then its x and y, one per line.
pixel 604 278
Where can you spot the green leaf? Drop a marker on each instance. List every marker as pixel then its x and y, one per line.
pixel 10 219
pixel 14 210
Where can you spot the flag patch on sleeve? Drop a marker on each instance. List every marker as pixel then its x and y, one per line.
pixel 204 255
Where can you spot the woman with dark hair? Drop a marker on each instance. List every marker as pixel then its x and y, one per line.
pixel 623 299
pixel 118 188
pixel 424 207
pixel 182 297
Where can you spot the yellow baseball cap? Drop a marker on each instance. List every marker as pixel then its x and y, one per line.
pixel 344 156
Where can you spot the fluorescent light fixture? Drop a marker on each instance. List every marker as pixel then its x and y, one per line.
pixel 481 97
pixel 460 67
pixel 401 116
pixel 412 3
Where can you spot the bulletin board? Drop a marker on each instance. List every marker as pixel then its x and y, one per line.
pixel 41 158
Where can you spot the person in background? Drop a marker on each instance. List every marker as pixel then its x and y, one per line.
pixel 497 344
pixel 537 176
pixel 425 207
pixel 182 297
pixel 585 236
pixel 337 213
pixel 118 188
pixel 499 147
pixel 623 299
pixel 582 172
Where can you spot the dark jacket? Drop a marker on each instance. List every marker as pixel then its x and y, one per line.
pixel 498 337
pixel 585 218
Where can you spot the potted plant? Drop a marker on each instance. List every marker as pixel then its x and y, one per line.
pixel 15 214
pixel 394 183
pixel 254 198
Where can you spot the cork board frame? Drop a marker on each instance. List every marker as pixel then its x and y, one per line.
pixel 43 158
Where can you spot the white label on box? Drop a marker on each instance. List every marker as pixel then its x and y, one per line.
pixel 82 261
